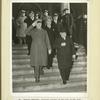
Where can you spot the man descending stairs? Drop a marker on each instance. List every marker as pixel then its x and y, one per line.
pixel 23 74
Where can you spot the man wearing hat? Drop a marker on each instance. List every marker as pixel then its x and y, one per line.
pixel 65 52
pixel 67 21
pixel 21 27
pixel 22 12
pixel 51 36
pixel 55 24
pixel 69 25
pixel 40 47
pixel 45 18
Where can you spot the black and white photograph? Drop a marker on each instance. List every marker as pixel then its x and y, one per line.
pixel 49 47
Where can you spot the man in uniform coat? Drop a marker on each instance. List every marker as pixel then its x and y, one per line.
pixel 69 25
pixel 55 24
pixel 67 21
pixel 40 48
pixel 45 17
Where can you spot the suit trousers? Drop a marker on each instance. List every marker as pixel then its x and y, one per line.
pixel 38 70
pixel 65 72
pixel 50 59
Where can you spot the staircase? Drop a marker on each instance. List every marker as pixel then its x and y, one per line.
pixel 23 74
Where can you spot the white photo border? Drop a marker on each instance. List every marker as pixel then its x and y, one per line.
pixel 51 94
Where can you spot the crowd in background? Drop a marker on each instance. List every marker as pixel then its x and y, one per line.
pixel 79 24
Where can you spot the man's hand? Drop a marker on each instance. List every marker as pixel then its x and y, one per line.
pixel 49 51
pixel 34 23
pixel 74 56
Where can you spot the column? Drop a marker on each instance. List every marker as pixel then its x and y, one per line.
pixel 65 5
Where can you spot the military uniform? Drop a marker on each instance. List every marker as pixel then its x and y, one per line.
pixel 39 50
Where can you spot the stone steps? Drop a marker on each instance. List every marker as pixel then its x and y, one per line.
pixel 23 74
pixel 27 72
pixel 54 86
pixel 23 79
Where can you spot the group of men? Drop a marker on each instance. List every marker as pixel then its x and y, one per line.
pixel 55 22
pixel 59 30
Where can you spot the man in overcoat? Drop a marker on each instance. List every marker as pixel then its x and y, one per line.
pixel 51 36
pixel 65 51
pixel 45 17
pixel 68 21
pixel 40 48
pixel 55 24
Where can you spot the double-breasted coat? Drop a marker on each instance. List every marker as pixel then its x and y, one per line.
pixel 64 53
pixel 39 47
pixel 56 28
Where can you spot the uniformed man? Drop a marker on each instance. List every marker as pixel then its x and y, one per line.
pixel 45 18
pixel 67 21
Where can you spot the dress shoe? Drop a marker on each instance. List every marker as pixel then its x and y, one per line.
pixel 37 79
pixel 41 71
pixel 28 53
pixel 64 82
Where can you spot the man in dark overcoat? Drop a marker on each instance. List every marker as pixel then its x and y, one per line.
pixel 68 21
pixel 65 50
pixel 55 24
pixel 51 36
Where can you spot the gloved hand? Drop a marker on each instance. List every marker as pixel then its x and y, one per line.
pixel 63 44
pixel 34 23
pixel 74 56
pixel 49 51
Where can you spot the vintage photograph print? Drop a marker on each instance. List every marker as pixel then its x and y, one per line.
pixel 49 47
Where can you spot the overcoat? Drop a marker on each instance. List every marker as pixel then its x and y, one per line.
pixel 64 53
pixel 56 28
pixel 68 23
pixel 21 27
pixel 39 47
